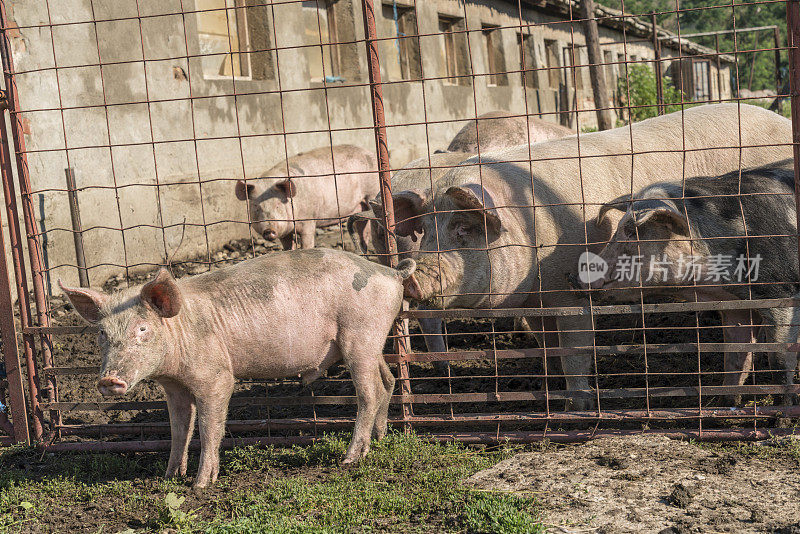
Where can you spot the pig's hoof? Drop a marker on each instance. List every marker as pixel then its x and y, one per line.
pixel 199 491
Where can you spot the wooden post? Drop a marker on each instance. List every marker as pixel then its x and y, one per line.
pixel 778 84
pixel 657 68
pixel 719 67
pixel 602 103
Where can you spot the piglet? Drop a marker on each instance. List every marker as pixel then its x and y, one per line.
pixel 275 316
pixel 310 190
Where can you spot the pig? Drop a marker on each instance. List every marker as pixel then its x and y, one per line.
pixel 494 244
pixel 310 196
pixel 501 129
pixel 279 315
pixel 680 229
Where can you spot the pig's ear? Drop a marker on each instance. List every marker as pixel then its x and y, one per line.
pixel 87 302
pixel 477 197
pixel 407 210
pixel 666 214
pixel 287 187
pixel 618 204
pixel 244 190
pixel 162 294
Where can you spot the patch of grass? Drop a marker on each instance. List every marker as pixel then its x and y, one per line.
pixel 406 484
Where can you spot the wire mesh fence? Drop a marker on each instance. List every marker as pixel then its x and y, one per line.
pixel 600 199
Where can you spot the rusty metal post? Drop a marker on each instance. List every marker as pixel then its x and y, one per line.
pixel 657 68
pixel 18 258
pixel 793 41
pixel 376 94
pixel 77 228
pixel 29 217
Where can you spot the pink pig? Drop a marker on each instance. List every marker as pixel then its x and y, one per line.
pixel 280 315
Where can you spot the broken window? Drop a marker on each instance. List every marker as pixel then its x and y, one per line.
pixel 495 58
pixel 527 60
pixel 553 63
pixel 401 59
pixel 453 65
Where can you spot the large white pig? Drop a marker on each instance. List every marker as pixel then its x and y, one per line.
pixel 512 223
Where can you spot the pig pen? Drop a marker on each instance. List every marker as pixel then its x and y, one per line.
pixel 658 365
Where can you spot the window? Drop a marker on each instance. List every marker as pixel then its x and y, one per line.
pixel 319 22
pixel 223 34
pixel 453 57
pixel 702 80
pixel 527 61
pixel 401 59
pixel 553 64
pixel 611 73
pixel 574 75
pixel 327 24
pixel 495 58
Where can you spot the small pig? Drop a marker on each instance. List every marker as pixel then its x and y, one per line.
pixel 500 129
pixel 275 316
pixel 704 239
pixel 310 196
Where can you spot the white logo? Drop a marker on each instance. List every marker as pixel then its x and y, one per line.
pixel 591 267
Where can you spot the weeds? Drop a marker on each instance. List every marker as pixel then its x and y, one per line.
pixel 406 484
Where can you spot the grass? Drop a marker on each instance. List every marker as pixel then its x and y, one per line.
pixel 406 484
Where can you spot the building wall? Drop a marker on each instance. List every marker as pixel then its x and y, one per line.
pixel 156 142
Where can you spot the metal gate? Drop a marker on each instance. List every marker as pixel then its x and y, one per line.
pixel 232 62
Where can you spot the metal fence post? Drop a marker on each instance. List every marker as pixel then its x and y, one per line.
pixel 29 217
pixel 376 94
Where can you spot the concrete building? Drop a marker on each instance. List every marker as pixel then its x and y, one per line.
pixel 158 105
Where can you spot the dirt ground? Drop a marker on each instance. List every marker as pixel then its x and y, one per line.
pixel 653 484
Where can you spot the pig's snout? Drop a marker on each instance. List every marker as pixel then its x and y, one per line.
pixel 110 386
pixel 270 234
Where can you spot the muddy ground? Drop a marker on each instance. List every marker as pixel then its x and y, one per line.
pixel 654 484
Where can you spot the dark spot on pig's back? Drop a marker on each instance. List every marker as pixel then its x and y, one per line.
pixel 366 270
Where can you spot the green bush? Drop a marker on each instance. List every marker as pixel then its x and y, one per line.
pixel 642 91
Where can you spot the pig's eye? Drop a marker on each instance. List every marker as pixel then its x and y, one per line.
pixel 143 328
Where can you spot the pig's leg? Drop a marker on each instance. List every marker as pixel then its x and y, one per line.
pixel 576 332
pixel 288 241
pixel 363 358
pixel 181 406
pixel 782 326
pixel 736 328
pixel 434 339
pixel 308 233
pixel 379 429
pixel 212 411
